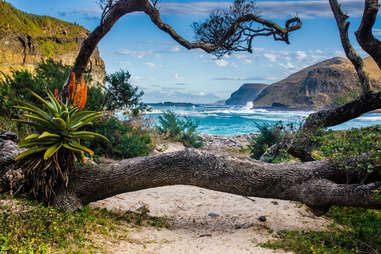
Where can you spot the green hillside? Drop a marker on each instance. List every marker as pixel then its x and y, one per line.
pixel 16 21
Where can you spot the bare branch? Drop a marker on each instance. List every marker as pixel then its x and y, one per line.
pixel 364 33
pixel 356 60
pixel 222 32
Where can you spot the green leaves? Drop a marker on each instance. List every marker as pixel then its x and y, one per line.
pixel 56 127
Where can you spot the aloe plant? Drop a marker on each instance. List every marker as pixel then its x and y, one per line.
pixel 53 148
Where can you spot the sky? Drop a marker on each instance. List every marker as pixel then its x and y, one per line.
pixel 166 71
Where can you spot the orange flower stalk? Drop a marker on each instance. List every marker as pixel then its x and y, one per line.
pixel 77 92
pixel 71 87
pixel 83 94
pixel 56 95
pixel 77 96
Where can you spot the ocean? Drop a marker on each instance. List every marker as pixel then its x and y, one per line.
pixel 233 120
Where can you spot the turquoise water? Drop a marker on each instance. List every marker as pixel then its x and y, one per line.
pixel 232 120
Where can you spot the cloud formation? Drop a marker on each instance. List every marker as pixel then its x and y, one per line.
pixel 268 9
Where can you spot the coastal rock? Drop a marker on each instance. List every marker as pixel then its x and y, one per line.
pixel 327 84
pixel 245 94
pixel 25 39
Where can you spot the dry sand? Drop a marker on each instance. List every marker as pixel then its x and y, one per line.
pixel 205 221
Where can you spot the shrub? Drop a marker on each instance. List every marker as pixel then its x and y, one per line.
pixel 126 141
pixel 180 129
pixel 269 134
pixel 119 93
pixel 55 144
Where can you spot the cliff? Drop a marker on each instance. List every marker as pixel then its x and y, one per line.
pixel 324 85
pixel 246 93
pixel 26 38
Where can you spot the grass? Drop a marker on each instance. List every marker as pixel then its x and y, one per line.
pixel 16 21
pixel 353 230
pixel 29 227
pixel 40 28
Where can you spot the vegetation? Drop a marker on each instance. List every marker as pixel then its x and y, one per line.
pixel 55 143
pixel 16 21
pixel 120 94
pixel 126 140
pixel 269 134
pixel 29 227
pixel 181 129
pixel 353 230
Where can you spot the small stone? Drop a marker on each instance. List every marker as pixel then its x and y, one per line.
pixel 213 215
pixel 262 218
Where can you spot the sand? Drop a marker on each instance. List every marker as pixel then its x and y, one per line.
pixel 205 221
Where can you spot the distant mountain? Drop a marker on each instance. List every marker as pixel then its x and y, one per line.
pixel 170 104
pixel 246 93
pixel 26 38
pixel 324 85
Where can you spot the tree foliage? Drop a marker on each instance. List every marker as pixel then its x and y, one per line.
pixel 120 94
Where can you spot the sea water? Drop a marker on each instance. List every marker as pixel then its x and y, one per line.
pixel 233 120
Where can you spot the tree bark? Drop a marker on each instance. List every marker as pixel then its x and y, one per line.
pixel 318 184
pixel 350 52
pixel 364 34
pixel 344 113
pixel 123 7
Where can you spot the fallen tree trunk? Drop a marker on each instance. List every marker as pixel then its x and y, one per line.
pixel 318 184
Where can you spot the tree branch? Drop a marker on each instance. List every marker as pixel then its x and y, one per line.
pixel 319 184
pixel 356 60
pixel 115 10
pixel 346 112
pixel 364 33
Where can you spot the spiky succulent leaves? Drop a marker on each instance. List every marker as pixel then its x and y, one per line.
pixel 55 144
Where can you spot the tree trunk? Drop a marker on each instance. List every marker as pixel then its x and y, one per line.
pixel 318 184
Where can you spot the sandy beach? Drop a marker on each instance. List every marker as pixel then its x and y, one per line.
pixel 205 221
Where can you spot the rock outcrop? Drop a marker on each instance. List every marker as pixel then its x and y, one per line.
pixel 245 94
pixel 25 39
pixel 326 84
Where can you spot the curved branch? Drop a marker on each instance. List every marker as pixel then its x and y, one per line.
pixel 364 33
pixel 119 9
pixel 346 112
pixel 350 52
pixel 291 25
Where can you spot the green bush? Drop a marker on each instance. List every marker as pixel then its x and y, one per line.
pixel 127 141
pixel 180 129
pixel 353 231
pixel 120 94
pixel 269 134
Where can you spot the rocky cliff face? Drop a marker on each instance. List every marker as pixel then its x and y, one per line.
pixel 246 93
pixel 327 84
pixel 25 39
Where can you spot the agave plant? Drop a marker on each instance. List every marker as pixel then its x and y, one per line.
pixel 55 145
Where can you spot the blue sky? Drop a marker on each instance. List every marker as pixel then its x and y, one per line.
pixel 166 71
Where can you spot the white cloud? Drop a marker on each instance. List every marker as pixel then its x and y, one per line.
pixel 125 63
pixel 133 53
pixel 271 57
pixel 268 9
pixel 178 76
pixel 150 64
pixel 301 55
pixel 377 31
pixel 221 62
pixel 175 49
pixel 288 66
